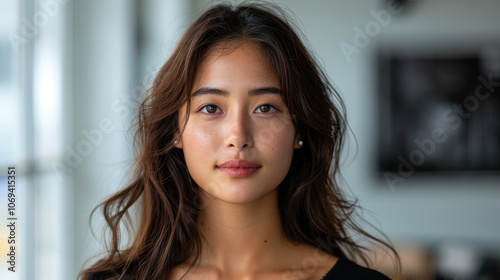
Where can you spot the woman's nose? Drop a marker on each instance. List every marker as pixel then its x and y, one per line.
pixel 238 134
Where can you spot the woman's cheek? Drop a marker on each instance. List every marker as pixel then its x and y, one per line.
pixel 200 135
pixel 275 131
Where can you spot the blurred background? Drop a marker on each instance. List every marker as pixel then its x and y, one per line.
pixel 421 81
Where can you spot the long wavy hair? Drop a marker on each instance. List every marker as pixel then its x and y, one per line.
pixel 313 208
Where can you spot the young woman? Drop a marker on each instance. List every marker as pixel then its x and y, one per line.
pixel 238 147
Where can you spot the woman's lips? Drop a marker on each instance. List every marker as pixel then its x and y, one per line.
pixel 238 172
pixel 238 168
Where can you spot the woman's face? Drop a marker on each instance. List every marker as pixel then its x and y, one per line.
pixel 239 139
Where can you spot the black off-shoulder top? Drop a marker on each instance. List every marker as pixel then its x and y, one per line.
pixel 343 269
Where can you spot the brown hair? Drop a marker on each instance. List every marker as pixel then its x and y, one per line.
pixel 313 207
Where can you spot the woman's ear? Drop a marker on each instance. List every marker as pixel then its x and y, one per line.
pixel 299 143
pixel 177 141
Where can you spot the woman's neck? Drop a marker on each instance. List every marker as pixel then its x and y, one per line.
pixel 241 238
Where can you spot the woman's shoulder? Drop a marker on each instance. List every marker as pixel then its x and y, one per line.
pixel 345 269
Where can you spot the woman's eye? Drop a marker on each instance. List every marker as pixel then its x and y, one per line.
pixel 266 108
pixel 213 109
pixel 210 109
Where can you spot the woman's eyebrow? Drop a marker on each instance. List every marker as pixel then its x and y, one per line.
pixel 216 91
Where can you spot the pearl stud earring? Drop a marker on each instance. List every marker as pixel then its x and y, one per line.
pixel 301 143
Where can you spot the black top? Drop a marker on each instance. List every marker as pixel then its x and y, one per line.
pixel 344 269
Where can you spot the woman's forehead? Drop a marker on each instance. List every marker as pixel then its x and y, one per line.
pixel 228 47
pixel 243 66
